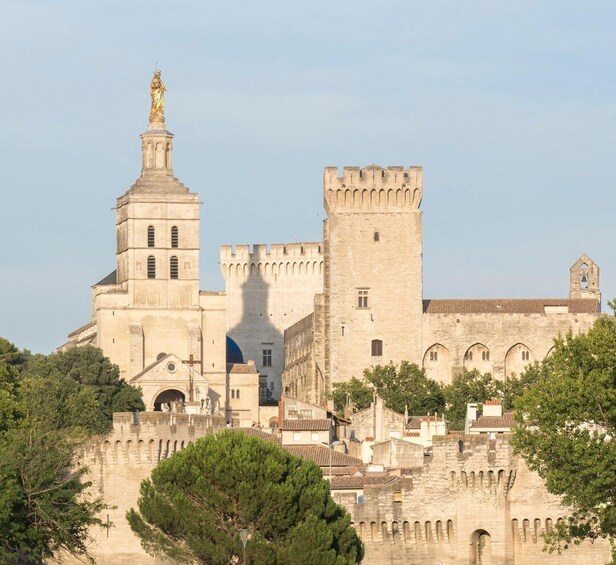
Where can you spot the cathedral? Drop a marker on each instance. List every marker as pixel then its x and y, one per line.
pixel 297 318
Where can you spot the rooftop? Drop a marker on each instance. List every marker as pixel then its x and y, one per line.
pixel 509 305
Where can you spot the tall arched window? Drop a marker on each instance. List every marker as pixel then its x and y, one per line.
pixel 151 236
pixel 173 267
pixel 174 236
pixel 151 267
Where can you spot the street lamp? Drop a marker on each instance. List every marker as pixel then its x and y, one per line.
pixel 244 538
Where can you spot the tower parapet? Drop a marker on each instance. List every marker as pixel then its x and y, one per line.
pixel 373 186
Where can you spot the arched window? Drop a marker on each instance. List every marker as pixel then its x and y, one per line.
pixel 583 276
pixel 377 348
pixel 151 267
pixel 173 267
pixel 151 236
pixel 174 236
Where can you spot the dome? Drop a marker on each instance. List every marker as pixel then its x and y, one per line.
pixel 234 353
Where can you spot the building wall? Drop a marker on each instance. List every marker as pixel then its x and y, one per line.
pixel 118 462
pixel 268 290
pixel 456 497
pixel 373 242
pixel 503 336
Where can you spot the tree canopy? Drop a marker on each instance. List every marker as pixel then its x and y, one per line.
pixel 403 387
pixel 195 503
pixel 568 422
pixel 48 405
pixel 468 386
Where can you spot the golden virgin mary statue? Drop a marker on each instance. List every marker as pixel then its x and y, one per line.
pixel 157 93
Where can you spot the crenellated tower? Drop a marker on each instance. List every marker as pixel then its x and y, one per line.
pixel 373 268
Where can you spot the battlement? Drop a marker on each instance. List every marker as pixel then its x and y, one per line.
pixel 276 259
pixel 279 251
pixel 373 187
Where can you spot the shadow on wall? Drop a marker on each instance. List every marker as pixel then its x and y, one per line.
pixel 256 336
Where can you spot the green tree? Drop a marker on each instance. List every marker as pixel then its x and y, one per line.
pixel 567 425
pixel 406 387
pixel 195 503
pixel 86 389
pixel 357 391
pixel 43 504
pixel 468 386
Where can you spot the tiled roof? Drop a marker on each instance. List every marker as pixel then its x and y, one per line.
pixel 82 328
pixel 505 421
pixel 508 305
pixel 256 432
pixel 241 368
pixel 312 425
pixel 414 422
pixel 359 482
pixel 320 455
pixel 111 278
pixel 493 402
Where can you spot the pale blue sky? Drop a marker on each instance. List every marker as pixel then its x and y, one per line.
pixel 508 106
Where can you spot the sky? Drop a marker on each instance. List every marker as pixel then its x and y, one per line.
pixel 509 107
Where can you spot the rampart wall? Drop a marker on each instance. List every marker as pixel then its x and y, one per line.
pixel 473 502
pixel 119 461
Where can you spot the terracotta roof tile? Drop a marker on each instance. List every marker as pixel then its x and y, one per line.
pixel 312 425
pixel 320 455
pixel 256 432
pixel 508 305
pixel 359 482
pixel 493 402
pixel 505 421
pixel 241 368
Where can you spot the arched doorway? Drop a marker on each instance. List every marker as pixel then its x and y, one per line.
pixel 171 398
pixel 481 551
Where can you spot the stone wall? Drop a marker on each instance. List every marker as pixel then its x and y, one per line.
pixel 118 462
pixel 472 502
pixel 269 289
pixel 373 245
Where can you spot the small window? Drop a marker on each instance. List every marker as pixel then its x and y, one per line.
pixel 151 267
pixel 397 496
pixel 151 236
pixel 433 355
pixel 377 236
pixel 267 357
pixel 315 436
pixel 297 436
pixel 174 236
pixel 485 355
pixel 173 267
pixel 377 348
pixel 362 298
pixel 525 355
pixel 237 393
pixel 469 356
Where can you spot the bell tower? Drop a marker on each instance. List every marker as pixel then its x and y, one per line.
pixel 584 279
pixel 157 224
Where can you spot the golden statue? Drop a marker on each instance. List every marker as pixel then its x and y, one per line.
pixel 157 92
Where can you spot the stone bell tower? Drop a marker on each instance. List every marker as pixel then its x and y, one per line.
pixel 153 308
pixel 584 279
pixel 157 225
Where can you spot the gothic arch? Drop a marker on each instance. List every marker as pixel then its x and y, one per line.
pixel 437 363
pixel 516 359
pixel 477 356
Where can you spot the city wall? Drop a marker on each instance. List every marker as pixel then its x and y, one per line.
pixel 119 461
